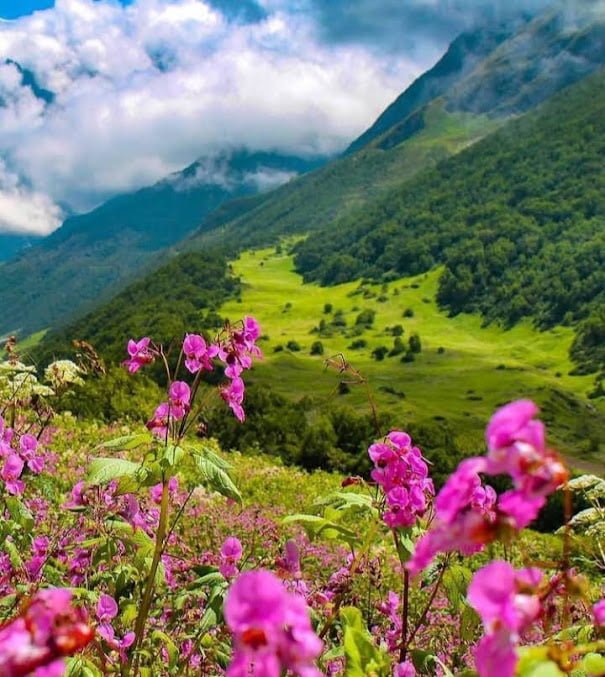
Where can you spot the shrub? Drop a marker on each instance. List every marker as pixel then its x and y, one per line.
pixel 380 353
pixel 293 346
pixel 317 348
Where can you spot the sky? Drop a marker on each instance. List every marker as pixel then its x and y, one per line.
pixel 99 97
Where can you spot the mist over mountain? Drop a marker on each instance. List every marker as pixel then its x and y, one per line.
pixel 78 263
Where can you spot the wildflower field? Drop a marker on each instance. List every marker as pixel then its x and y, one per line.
pixel 132 549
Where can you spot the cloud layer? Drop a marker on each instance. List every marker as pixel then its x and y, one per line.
pixel 144 87
pixel 142 90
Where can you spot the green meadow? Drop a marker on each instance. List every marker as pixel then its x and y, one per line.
pixel 463 372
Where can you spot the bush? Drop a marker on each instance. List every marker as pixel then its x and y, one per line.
pixel 380 353
pixel 293 346
pixel 327 308
pixel 408 312
pixel 365 318
pixel 358 344
pixel 398 347
pixel 317 348
pixel 397 330
pixel 415 344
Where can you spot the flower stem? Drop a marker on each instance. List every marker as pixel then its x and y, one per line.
pixel 139 627
pixel 404 616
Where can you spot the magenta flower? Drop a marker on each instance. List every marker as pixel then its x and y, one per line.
pixel 107 608
pixel 406 669
pixel 11 472
pixel 196 353
pixel 179 395
pixel 598 611
pixel 231 554
pixel 402 473
pixel 516 447
pixel 139 354
pixel 48 629
pixel 158 425
pixel 233 394
pixel 77 500
pixel 271 628
pixel 465 517
pixel 28 446
pixel 508 602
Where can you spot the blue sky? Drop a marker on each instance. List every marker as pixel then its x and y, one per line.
pixel 139 91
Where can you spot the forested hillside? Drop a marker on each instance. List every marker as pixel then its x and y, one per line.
pixel 181 296
pixel 94 255
pixel 518 220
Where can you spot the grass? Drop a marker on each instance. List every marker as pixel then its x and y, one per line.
pixel 465 370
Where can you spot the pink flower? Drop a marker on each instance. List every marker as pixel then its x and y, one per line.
pixel 158 425
pixel 107 608
pixel 77 500
pixel 48 629
pixel 516 447
pixel 271 628
pixel 179 395
pixel 196 353
pixel 508 602
pixel 402 473
pixel 465 517
pixel 231 554
pixel 11 472
pixel 233 395
pixel 28 446
pixel 139 354
pixel 406 669
pixel 598 611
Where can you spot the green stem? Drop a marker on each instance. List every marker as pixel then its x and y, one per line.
pixel 139 627
pixel 404 616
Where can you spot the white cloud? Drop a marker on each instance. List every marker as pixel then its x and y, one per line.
pixel 143 90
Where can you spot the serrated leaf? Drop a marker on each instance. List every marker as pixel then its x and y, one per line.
pixel 216 477
pixel 104 470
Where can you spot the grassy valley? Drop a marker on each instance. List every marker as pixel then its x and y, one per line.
pixel 462 373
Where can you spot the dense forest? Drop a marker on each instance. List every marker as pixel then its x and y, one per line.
pixel 181 296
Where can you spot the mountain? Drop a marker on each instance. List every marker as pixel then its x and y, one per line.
pixel 79 263
pixel 12 243
pixel 486 77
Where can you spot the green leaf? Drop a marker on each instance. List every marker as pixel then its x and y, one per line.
pixel 104 470
pixel 363 657
pixel 171 648
pixel 126 442
pixel 216 477
pixel 20 513
pixel 455 583
pixel 594 664
pixel 173 454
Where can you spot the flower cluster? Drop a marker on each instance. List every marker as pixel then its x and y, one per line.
pixel 402 473
pixel 469 515
pixel 48 629
pixel 508 602
pixel 271 629
pixel 23 453
pixel 235 347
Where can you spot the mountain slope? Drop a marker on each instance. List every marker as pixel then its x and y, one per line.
pixel 78 264
pixel 518 220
